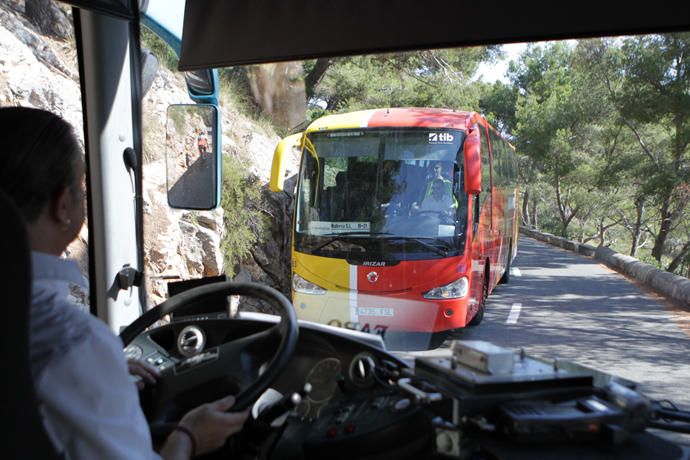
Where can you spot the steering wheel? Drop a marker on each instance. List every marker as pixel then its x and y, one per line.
pixel 240 360
pixel 444 217
pixel 441 215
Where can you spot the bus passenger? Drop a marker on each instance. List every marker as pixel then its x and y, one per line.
pixel 399 204
pixel 90 403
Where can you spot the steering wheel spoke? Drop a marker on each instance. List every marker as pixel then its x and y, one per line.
pixel 246 356
pixel 249 364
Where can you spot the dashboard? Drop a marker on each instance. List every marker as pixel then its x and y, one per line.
pixel 350 404
pixel 353 401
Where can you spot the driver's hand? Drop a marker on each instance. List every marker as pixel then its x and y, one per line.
pixel 211 424
pixel 146 373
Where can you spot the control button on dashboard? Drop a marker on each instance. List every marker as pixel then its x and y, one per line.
pixel 402 404
pixel 191 341
pixel 133 352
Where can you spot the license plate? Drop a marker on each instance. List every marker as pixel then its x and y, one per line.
pixel 375 311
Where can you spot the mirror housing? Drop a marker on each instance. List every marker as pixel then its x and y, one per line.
pixel 192 156
pixel 201 83
pixel 473 162
pixel 278 166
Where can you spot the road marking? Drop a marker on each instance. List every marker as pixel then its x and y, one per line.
pixel 515 271
pixel 514 313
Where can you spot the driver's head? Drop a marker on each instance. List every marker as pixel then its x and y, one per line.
pixel 438 170
pixel 42 170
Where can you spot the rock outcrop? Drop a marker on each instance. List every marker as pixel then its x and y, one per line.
pixel 39 71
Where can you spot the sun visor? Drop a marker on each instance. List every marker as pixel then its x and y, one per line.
pixel 219 33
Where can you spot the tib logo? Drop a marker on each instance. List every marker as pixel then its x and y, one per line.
pixel 440 138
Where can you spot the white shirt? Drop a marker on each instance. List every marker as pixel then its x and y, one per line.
pixel 90 404
pixel 430 203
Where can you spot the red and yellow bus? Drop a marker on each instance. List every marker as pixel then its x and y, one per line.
pixel 405 219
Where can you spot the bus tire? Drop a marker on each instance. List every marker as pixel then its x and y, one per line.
pixel 479 316
pixel 505 279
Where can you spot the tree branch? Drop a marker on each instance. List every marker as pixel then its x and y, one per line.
pixel 641 142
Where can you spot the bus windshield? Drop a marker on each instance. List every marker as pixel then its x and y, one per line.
pixel 397 192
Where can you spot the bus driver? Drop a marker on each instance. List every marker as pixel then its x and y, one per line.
pixel 90 404
pixel 439 200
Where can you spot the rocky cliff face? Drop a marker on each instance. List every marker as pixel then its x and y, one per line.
pixel 42 72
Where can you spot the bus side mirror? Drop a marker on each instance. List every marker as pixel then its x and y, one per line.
pixel 192 156
pixel 201 83
pixel 473 163
pixel 279 158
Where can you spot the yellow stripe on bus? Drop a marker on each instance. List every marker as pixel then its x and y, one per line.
pixel 327 272
pixel 334 307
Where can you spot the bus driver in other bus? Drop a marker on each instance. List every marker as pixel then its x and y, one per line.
pixel 439 200
pixel 90 403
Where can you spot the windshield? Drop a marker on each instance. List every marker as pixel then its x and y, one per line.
pixel 371 193
pixel 572 157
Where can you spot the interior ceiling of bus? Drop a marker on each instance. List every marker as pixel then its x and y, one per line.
pixel 220 33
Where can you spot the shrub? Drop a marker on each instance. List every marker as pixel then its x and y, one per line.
pixel 244 224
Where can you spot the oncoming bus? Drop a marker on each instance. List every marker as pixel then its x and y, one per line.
pixel 405 220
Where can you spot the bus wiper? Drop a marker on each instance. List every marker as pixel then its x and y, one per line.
pixel 426 242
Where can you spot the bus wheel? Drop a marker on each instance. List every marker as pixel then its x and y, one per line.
pixel 479 316
pixel 505 279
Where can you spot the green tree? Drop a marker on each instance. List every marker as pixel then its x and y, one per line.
pixel 430 78
pixel 498 103
pixel 654 104
pixel 244 226
pixel 551 123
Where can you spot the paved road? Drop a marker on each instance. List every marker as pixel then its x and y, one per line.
pixel 562 305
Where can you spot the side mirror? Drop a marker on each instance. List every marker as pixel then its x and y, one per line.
pixel 473 162
pixel 278 166
pixel 192 156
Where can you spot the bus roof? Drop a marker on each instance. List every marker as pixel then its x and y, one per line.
pixel 394 117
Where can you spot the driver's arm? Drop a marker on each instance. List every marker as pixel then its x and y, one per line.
pixel 90 402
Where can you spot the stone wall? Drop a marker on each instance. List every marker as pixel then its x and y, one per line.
pixel 675 288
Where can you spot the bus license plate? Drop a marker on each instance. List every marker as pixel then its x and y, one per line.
pixel 375 311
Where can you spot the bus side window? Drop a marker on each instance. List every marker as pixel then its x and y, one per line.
pixel 477 212
pixel 486 162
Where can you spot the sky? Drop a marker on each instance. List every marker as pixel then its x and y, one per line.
pixel 491 73
pixel 168 13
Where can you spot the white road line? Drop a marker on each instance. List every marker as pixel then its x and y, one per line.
pixel 515 271
pixel 514 313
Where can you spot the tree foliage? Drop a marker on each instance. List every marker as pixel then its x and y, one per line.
pixel 431 78
pixel 601 126
pixel 243 221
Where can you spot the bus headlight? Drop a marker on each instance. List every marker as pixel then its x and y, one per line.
pixel 455 290
pixel 299 284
